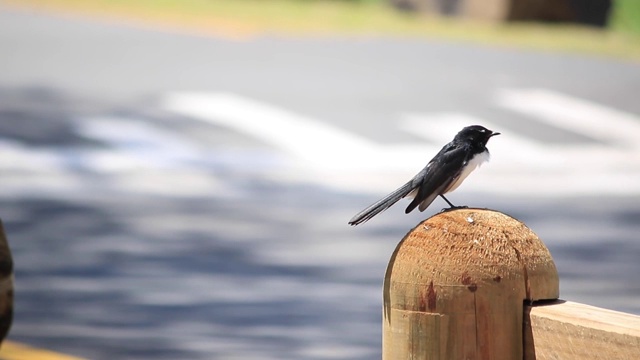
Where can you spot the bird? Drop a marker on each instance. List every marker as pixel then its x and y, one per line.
pixel 443 174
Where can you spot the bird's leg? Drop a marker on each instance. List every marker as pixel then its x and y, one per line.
pixel 452 207
pixel 448 202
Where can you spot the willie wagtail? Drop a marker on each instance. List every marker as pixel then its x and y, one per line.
pixel 444 173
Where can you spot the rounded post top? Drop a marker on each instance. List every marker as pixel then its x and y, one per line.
pixel 456 284
pixel 475 248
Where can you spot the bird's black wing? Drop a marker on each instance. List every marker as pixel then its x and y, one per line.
pixel 382 204
pixel 445 168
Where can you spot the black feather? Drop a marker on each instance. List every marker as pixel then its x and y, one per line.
pixel 440 176
pixel 382 204
pixel 443 170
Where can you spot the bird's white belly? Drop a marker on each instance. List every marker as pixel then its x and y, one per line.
pixel 475 162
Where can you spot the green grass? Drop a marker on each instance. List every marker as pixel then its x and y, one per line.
pixel 245 18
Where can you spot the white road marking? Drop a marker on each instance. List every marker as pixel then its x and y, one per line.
pixel 315 151
pixel 334 157
pixel 134 143
pixel 521 166
pixel 307 139
pixel 440 129
pixel 326 154
pixel 576 115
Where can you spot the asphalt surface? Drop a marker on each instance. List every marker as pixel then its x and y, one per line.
pixel 144 230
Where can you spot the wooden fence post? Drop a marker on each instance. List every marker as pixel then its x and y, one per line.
pixel 456 284
pixel 6 285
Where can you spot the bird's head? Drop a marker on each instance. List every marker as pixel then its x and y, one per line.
pixel 475 134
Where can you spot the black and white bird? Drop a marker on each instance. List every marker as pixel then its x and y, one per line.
pixel 443 174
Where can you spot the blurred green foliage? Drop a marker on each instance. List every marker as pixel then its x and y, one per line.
pixel 626 16
pixel 246 18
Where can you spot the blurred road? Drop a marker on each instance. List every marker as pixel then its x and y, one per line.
pixel 172 196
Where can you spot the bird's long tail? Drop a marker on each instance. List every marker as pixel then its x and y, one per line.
pixel 381 205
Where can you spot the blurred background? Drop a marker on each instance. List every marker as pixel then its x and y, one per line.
pixel 177 176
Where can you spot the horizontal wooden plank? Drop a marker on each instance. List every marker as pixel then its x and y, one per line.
pixel 568 330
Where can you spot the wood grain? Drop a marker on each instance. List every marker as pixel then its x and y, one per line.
pixel 573 331
pixel 455 286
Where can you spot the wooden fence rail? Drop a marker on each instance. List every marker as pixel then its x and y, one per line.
pixel 568 330
pixel 478 284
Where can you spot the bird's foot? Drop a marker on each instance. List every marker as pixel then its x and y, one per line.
pixel 453 208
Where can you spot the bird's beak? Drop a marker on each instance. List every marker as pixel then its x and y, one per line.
pixel 494 134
